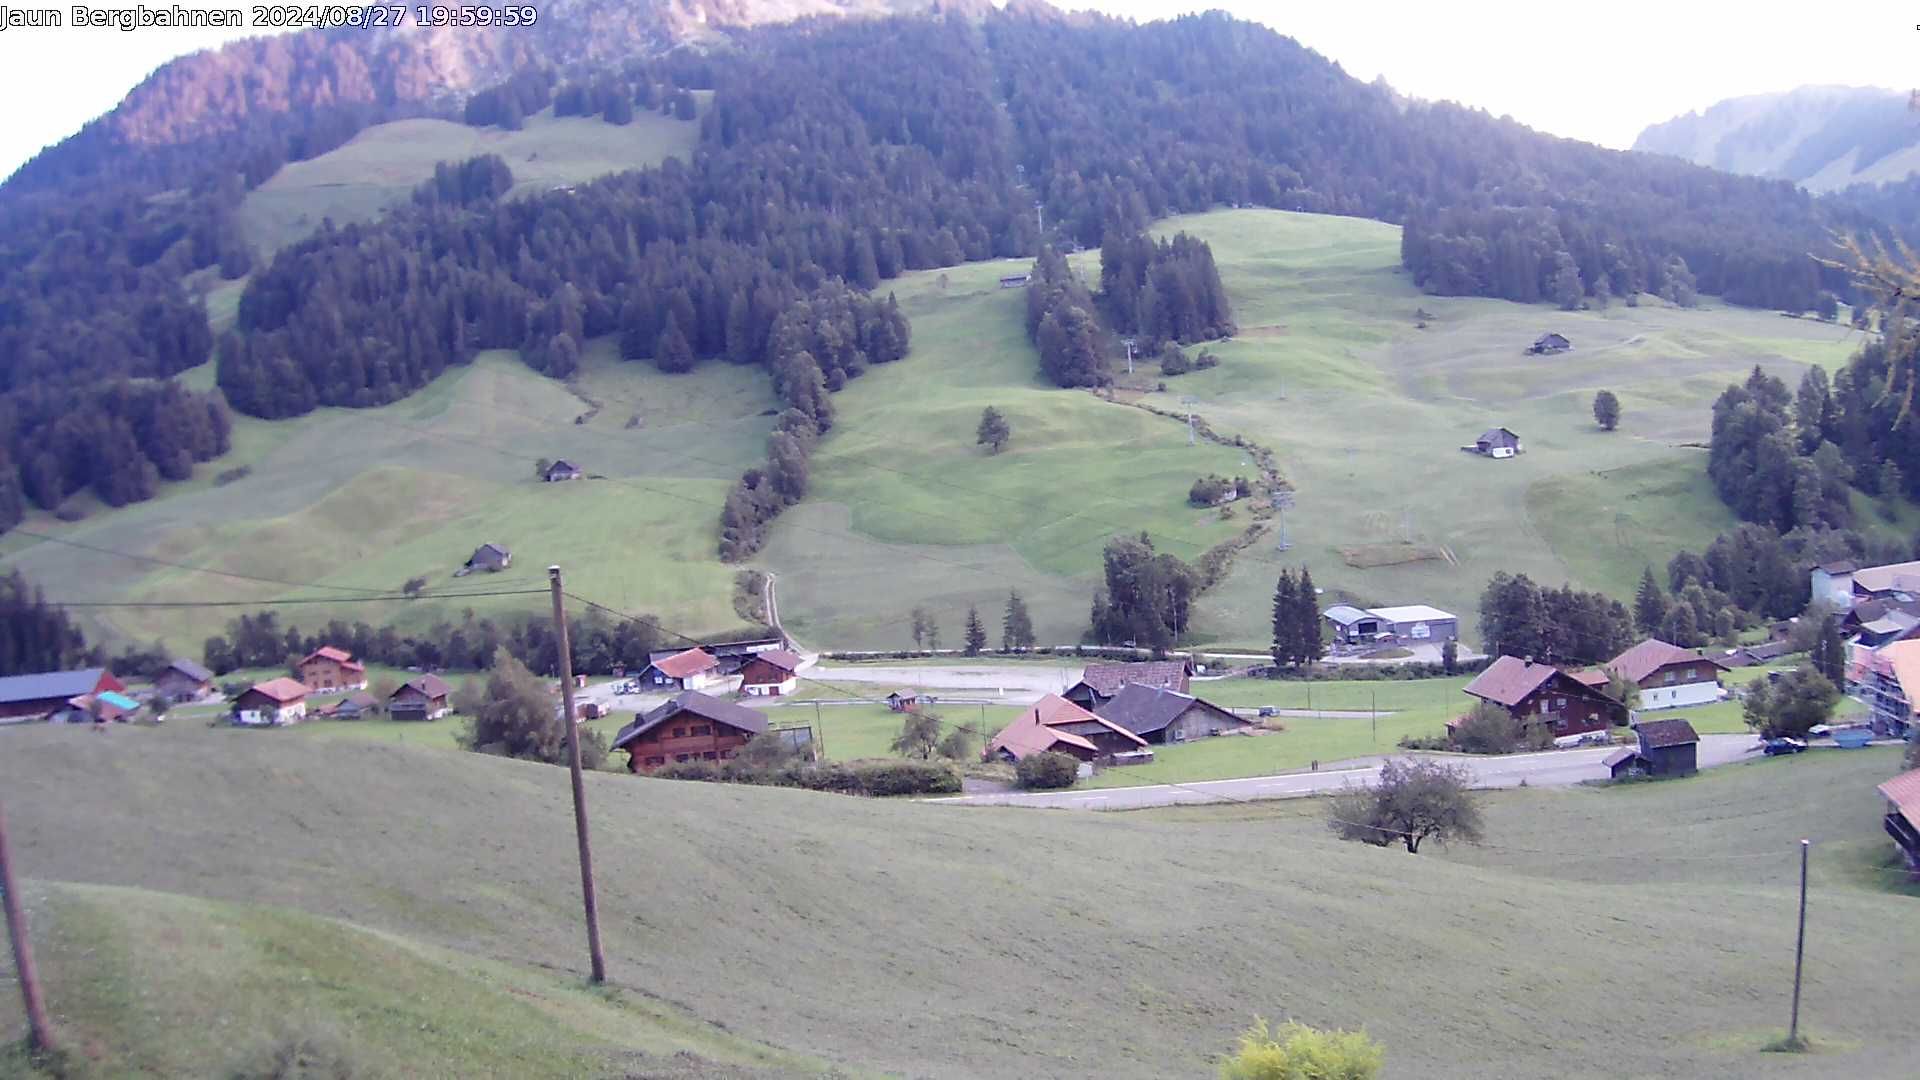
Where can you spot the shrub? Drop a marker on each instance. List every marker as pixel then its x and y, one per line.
pixel 882 778
pixel 1425 742
pixel 321 1055
pixel 1046 771
pixel 1297 1052
pixel 1488 729
pixel 1208 489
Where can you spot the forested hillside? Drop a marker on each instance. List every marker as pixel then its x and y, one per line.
pixel 848 150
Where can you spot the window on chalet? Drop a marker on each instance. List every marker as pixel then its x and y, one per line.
pixel 709 756
pixel 700 729
pixel 1668 678
pixel 679 733
pixel 653 761
pixel 680 757
pixel 724 754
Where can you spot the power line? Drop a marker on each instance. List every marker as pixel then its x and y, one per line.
pixel 396 597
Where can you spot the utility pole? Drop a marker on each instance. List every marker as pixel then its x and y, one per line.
pixel 1373 713
pixel 1040 221
pixel 819 733
pixel 572 722
pixel 1128 342
pixel 39 1030
pixel 1799 951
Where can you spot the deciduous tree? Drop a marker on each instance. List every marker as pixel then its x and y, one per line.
pixel 993 431
pixel 1606 410
pixel 1414 801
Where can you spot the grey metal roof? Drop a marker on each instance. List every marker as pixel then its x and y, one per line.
pixel 191 670
pixel 1346 614
pixel 1147 709
pixel 47 685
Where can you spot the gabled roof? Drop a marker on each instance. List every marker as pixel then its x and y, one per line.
pixel 1903 792
pixel 1650 656
pixel 1625 753
pixel 490 546
pixel 563 463
pixel 282 690
pixel 1660 734
pixel 1107 679
pixel 682 664
pixel 1510 680
pixel 697 704
pixel 1839 566
pixel 432 686
pixel 1345 614
pixel 781 658
pixel 1592 676
pixel 1768 650
pixel 338 656
pixel 361 700
pixel 1492 435
pixel 191 670
pixel 1887 578
pixel 117 700
pixel 1044 724
pixel 49 685
pixel 1144 710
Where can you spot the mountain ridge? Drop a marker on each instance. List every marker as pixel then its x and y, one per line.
pixel 1824 138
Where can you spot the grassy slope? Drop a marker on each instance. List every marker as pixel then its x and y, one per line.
pixel 382 165
pixel 1374 410
pixel 906 509
pixel 911 938
pixel 371 497
pixel 150 983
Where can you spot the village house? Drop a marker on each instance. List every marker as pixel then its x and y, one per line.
pixel 1890 686
pixel 328 668
pixel 183 680
pixel 424 697
pixel 1669 677
pixel 1903 818
pixel 271 703
pixel 1548 344
pixel 1666 748
pixel 490 557
pixel 1842 585
pixel 1058 725
pixel 1496 443
pixel 1411 622
pixel 770 674
pixel 355 706
pixel 1159 715
pixel 39 696
pixel 904 701
pixel 691 727
pixel 689 669
pixel 104 707
pixel 562 471
pixel 1100 682
pixel 1542 694
pixel 1833 584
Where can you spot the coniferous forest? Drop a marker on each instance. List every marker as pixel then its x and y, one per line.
pixel 832 157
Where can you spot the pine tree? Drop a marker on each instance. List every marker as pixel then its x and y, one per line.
pixel 1306 620
pixel 1286 638
pixel 1016 626
pixel 976 632
pixel 1649 604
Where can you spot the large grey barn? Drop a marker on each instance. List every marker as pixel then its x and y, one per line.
pixel 1409 623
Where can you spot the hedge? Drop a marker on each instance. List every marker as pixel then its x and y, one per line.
pixel 875 777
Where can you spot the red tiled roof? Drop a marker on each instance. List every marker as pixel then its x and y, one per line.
pixel 328 652
pixel 783 659
pixel 1039 727
pixel 1592 676
pixel 1903 791
pixel 1650 656
pixel 282 690
pixel 1510 680
pixel 691 662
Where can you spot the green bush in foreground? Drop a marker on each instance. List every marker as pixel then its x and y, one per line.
pixel 1297 1052
pixel 1047 770
pixel 879 777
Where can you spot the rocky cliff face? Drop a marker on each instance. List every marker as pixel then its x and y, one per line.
pixel 1821 137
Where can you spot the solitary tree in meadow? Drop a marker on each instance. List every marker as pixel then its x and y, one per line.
pixel 994 431
pixel 1606 410
pixel 919 736
pixel 1413 802
pixel 976 632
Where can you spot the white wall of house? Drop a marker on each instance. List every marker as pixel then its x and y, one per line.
pixel 1678 695
pixel 770 689
pixel 285 714
pixel 1833 590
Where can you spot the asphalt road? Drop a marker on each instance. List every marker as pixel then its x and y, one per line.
pixel 1554 767
pixel 1017 682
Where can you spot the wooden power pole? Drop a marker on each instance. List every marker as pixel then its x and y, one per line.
pixel 572 721
pixel 1799 951
pixel 39 1030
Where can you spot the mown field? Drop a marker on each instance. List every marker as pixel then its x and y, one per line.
pixel 381 166
pixel 1364 410
pixel 192 897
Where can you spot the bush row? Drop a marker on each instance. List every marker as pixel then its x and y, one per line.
pixel 876 777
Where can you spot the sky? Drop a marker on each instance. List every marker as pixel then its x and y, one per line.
pixel 1593 72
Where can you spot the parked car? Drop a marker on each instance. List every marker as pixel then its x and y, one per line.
pixel 1267 710
pixel 1776 747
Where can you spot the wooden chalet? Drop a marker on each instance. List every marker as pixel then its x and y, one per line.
pixel 1542 694
pixel 1903 818
pixel 355 706
pixel 40 696
pixel 770 674
pixel 1548 344
pixel 1100 682
pixel 1666 748
pixel 1669 677
pixel 183 680
pixel 1057 725
pixel 490 557
pixel 1159 715
pixel 691 727
pixel 689 669
pixel 328 668
pixel 1496 442
pixel 424 697
pixel 562 471
pixel 271 703
pixel 904 700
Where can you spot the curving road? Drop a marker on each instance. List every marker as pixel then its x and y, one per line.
pixel 1553 767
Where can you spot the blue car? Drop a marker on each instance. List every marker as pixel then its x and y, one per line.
pixel 1776 747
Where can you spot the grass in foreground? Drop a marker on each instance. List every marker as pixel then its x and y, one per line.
pixel 816 923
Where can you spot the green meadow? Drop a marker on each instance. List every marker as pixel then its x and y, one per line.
pixel 200 897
